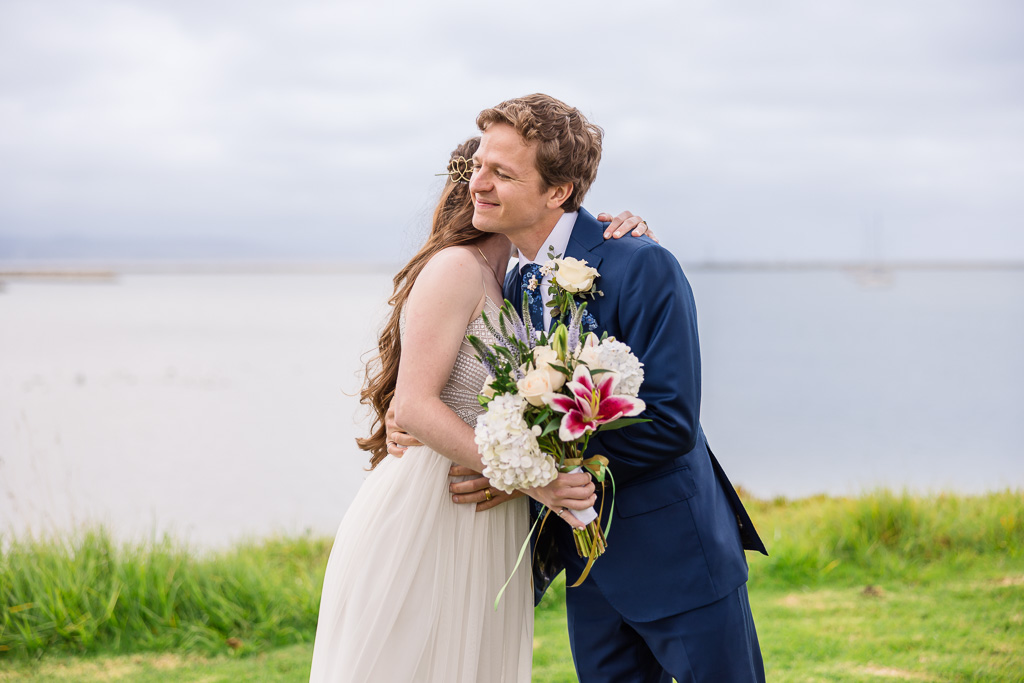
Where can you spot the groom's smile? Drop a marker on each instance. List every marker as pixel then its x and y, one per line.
pixel 481 204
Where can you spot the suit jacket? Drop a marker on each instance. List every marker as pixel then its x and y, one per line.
pixel 679 529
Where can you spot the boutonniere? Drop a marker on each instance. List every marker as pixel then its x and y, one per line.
pixel 571 279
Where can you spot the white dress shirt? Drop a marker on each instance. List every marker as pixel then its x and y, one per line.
pixel 556 241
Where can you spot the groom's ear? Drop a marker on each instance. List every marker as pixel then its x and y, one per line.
pixel 558 194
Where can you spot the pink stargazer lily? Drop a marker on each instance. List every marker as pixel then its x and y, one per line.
pixel 591 405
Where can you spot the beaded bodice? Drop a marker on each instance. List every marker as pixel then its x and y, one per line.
pixel 467 377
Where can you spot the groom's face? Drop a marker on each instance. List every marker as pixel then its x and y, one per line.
pixel 509 196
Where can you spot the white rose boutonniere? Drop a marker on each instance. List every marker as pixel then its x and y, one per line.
pixel 574 275
pixel 570 279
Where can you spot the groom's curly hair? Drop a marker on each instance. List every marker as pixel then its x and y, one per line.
pixel 569 146
pixel 452 225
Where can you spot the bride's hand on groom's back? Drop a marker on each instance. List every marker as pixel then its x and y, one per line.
pixel 623 223
pixel 398 439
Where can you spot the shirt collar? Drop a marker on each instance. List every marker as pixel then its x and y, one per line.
pixel 556 241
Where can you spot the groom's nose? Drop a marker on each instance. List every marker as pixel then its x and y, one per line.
pixel 479 181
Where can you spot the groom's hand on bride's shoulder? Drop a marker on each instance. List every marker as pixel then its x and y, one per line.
pixel 398 439
pixel 623 223
pixel 476 490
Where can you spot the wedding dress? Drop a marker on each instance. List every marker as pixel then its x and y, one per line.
pixel 411 581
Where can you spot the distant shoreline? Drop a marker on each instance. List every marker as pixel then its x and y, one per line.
pixel 110 271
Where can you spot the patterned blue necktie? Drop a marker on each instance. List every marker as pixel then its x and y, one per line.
pixel 532 276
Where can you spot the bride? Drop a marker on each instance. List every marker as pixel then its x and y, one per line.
pixel 410 585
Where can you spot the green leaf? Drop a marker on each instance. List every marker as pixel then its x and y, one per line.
pixel 619 424
pixel 565 371
pixel 550 427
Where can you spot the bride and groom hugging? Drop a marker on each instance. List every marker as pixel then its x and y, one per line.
pixel 413 572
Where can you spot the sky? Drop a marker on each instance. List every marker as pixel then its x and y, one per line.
pixel 790 130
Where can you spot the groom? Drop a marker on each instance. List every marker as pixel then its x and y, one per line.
pixel 668 598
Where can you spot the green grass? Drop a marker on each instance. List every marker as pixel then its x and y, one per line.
pixel 90 595
pixel 881 587
pixel 883 536
pixel 279 665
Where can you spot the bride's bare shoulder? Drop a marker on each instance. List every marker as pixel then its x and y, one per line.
pixel 453 273
pixel 456 256
pixel 457 264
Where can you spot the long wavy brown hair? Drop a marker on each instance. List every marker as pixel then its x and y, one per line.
pixel 452 225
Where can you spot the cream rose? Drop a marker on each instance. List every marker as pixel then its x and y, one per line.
pixel 535 386
pixel 488 390
pixel 543 358
pixel 574 275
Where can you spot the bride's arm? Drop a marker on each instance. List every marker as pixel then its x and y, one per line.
pixel 445 297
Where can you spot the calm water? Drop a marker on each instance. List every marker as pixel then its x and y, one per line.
pixel 215 406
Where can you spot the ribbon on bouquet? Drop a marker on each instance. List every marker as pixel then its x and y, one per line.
pixel 519 560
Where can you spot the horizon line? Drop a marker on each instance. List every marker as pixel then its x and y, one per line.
pixel 86 269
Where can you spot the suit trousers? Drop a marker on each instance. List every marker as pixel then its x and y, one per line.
pixel 716 643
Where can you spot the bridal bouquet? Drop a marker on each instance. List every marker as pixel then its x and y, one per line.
pixel 548 393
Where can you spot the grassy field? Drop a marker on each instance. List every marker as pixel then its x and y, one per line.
pixel 880 587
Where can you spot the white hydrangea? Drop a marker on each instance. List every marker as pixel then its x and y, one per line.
pixel 512 458
pixel 618 357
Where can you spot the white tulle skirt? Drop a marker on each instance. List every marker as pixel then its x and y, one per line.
pixel 410 585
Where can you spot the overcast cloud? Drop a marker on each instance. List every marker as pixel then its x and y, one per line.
pixel 782 130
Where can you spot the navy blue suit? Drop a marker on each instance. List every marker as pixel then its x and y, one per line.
pixel 668 598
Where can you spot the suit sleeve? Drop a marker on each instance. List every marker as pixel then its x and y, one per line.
pixel 657 318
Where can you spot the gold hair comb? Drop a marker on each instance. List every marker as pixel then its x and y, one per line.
pixel 460 170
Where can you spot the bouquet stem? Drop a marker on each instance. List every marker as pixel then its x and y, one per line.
pixel 590 540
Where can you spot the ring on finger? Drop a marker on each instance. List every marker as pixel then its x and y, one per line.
pixel 644 223
pixel 487 494
pixel 559 513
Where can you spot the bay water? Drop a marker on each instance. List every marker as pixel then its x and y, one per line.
pixel 217 407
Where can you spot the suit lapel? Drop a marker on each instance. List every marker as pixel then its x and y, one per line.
pixel 513 288
pixel 587 234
